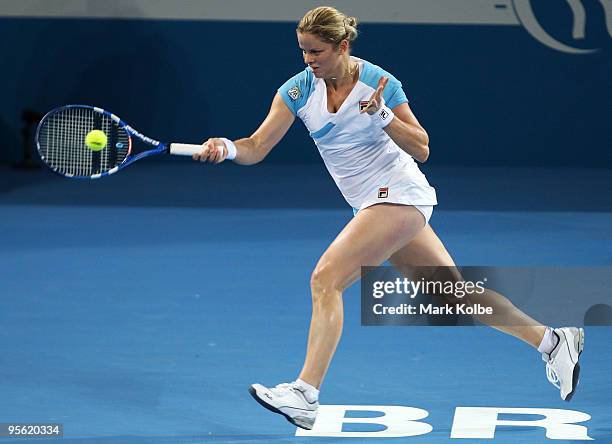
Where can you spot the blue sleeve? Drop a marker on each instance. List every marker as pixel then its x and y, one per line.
pixel 393 93
pixel 296 90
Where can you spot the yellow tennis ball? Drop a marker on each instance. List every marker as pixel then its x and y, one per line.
pixel 95 140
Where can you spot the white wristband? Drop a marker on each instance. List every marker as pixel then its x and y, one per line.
pixel 231 148
pixel 383 116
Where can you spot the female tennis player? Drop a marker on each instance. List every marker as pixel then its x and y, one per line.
pixel 359 118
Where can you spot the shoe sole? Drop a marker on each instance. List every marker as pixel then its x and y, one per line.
pixel 262 403
pixel 576 372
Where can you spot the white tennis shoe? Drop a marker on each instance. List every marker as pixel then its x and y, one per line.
pixel 562 368
pixel 288 400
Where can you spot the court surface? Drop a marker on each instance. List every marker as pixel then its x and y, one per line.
pixel 139 308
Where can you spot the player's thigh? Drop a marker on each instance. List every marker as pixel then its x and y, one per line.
pixel 425 256
pixel 368 239
pixel 425 249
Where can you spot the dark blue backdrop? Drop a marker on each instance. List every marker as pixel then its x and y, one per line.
pixel 488 95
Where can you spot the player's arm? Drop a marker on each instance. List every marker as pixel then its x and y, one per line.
pixel 399 123
pixel 407 133
pixel 253 149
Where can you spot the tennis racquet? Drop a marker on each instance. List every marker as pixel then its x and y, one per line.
pixel 60 140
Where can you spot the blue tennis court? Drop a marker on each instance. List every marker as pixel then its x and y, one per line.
pixel 139 308
pixel 143 317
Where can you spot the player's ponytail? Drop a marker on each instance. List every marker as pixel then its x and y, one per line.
pixel 350 24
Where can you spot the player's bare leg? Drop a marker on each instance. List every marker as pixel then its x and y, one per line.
pixel 368 239
pixel 426 249
pixel 560 347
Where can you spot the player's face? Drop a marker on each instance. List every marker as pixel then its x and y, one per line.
pixel 324 59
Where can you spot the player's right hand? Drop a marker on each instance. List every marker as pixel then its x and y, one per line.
pixel 213 151
pixel 376 100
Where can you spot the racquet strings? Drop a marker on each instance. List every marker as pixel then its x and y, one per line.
pixel 62 146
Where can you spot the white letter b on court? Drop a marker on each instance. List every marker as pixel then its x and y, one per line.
pixel 398 420
pixel 480 422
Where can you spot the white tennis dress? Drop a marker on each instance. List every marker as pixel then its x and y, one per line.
pixel 366 164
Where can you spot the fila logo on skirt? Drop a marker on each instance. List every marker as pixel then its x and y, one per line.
pixel 383 192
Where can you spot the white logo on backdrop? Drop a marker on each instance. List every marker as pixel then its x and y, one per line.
pixel 526 16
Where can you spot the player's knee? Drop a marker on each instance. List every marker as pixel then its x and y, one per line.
pixel 324 284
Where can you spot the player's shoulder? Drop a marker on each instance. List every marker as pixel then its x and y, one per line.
pixel 297 89
pixel 371 73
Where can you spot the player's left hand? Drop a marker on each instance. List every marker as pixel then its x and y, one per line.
pixel 376 99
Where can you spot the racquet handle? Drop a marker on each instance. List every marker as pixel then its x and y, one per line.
pixel 184 149
pixel 188 149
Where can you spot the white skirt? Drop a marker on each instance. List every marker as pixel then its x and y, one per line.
pixel 403 184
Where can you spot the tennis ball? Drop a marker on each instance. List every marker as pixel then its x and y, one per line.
pixel 95 140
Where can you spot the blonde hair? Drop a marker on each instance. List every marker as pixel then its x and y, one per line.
pixel 329 25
